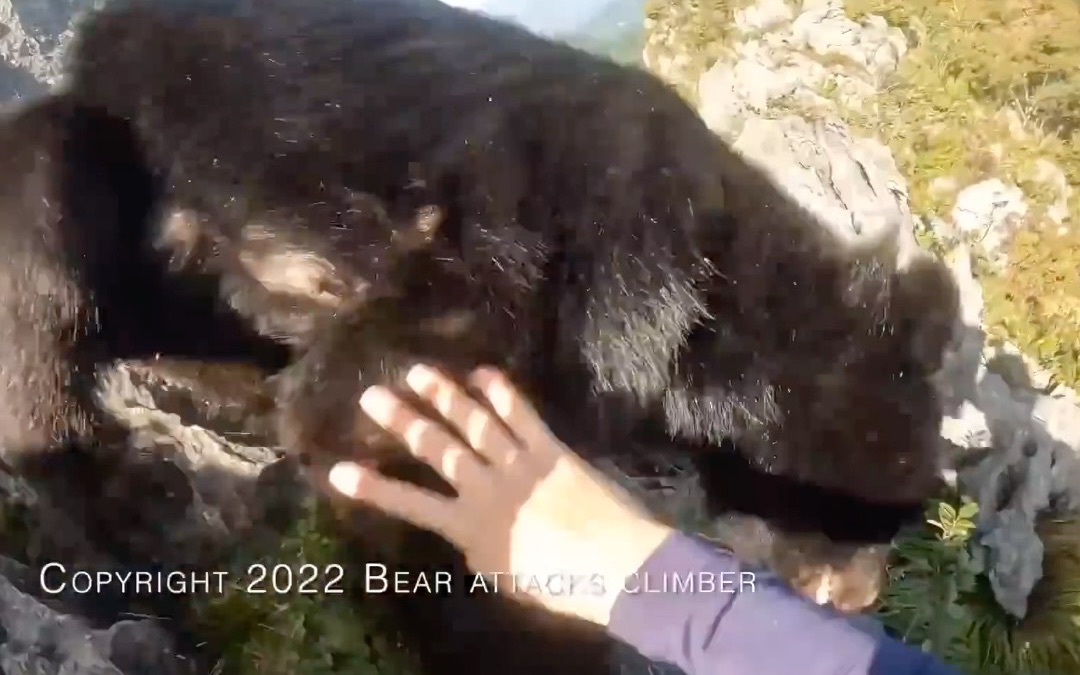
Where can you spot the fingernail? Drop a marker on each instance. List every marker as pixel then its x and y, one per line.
pixel 345 477
pixel 378 403
pixel 482 377
pixel 420 377
pixel 493 382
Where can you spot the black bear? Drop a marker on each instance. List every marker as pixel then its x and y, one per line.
pixel 81 283
pixel 591 236
pixel 392 181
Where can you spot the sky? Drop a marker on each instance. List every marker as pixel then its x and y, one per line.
pixel 472 4
pixel 543 16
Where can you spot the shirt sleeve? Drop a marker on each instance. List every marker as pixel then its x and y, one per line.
pixel 695 607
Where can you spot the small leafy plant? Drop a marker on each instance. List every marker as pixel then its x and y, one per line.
pixel 300 634
pixel 931 577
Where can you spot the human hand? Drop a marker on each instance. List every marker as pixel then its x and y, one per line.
pixel 527 508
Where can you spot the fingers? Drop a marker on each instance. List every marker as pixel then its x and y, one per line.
pixel 403 500
pixel 426 440
pixel 485 433
pixel 514 411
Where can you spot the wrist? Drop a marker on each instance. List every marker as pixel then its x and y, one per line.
pixel 627 551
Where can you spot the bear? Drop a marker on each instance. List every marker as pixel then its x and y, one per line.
pixel 595 239
pixel 81 285
pixel 579 226
pixel 84 286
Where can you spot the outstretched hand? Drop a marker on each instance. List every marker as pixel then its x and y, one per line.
pixel 530 514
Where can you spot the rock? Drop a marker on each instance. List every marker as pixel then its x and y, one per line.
pixel 765 16
pixel 989 212
pixel 38 638
pixel 1051 174
pixel 851 184
pixel 825 29
pixel 1018 451
pixel 794 61
pixel 1012 489
pixel 33 35
pixel 1016 444
pixel 178 496
pixel 670 29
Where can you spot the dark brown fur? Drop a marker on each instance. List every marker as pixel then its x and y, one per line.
pixel 611 252
pixel 281 285
pixel 74 202
pixel 634 275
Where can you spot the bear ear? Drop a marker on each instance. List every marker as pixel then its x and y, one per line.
pixel 925 311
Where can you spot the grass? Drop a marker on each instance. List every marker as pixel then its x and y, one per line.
pixel 988 89
pixel 991 89
pixel 699 31
pixel 296 633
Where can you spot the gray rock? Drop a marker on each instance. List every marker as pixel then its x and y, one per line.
pixel 766 15
pixel 178 495
pixel 791 61
pixel 43 639
pixel 989 212
pixel 33 35
pixel 1018 452
pixel 1016 443
pixel 851 184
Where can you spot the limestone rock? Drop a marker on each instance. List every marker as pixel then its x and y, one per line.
pixel 1016 443
pixel 777 62
pixel 851 184
pixel 40 638
pixel 33 35
pixel 989 211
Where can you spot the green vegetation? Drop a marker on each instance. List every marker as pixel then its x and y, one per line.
pixel 699 30
pixel 300 634
pixel 989 89
pixel 939 598
pixel 932 579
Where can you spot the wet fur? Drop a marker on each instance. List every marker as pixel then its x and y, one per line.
pixel 606 248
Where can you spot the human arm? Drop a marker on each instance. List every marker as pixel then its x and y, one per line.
pixel 749 626
pixel 528 505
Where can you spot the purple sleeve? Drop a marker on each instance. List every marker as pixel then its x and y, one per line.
pixel 745 624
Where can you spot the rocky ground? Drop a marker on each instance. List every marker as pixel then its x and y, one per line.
pixel 790 85
pixel 784 73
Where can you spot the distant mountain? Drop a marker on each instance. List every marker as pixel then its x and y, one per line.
pixel 562 17
pixel 547 17
pixel 505 18
pixel 614 29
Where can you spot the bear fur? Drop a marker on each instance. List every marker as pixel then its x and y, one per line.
pixel 81 285
pixel 579 227
pixel 634 275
